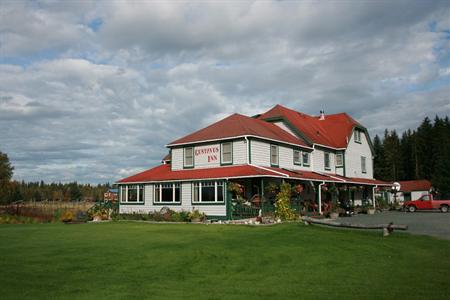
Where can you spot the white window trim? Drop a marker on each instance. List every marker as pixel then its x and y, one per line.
pixel 363 170
pixel 125 189
pixel 325 154
pixel 307 164
pixel 222 161
pixel 300 157
pixel 278 155
pixel 200 193
pixel 357 136
pixel 342 160
pixel 184 157
pixel 160 193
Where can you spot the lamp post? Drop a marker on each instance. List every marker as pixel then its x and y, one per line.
pixel 395 189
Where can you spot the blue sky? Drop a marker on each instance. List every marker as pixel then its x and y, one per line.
pixel 92 91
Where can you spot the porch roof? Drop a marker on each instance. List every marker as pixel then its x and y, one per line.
pixel 165 173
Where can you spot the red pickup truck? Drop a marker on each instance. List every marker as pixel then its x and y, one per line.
pixel 427 202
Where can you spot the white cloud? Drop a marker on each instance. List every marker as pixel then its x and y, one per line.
pixel 96 105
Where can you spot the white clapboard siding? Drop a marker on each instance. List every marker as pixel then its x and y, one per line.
pixel 140 209
pixel 260 153
pixel 353 158
pixel 177 159
pixel 318 156
pixel 186 192
pixel 240 149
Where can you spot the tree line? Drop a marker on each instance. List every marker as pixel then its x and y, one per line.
pixel 12 191
pixel 423 153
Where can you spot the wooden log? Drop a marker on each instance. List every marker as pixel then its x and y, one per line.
pixel 358 226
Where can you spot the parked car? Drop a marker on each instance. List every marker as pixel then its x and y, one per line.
pixel 427 202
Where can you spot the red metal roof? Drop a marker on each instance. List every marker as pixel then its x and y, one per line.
pixel 361 180
pixel 334 131
pixel 165 173
pixel 415 185
pixel 239 125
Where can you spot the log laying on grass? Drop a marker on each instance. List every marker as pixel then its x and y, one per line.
pixel 358 226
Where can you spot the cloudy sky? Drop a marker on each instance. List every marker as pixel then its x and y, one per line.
pixel 92 91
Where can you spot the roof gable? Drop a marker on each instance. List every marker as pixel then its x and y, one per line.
pixel 239 125
pixel 333 131
pixel 415 185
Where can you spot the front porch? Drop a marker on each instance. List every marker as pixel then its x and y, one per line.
pixel 251 197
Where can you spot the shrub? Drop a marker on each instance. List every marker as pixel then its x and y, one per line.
pixel 196 215
pixel 283 209
pixel 67 216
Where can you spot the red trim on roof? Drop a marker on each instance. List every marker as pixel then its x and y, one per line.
pixel 334 131
pixel 239 125
pixel 415 185
pixel 165 173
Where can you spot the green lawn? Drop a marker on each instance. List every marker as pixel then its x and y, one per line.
pixel 189 261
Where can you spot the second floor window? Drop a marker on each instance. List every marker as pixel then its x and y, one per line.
pixel 327 164
pixel 363 165
pixel 357 136
pixel 274 155
pixel 189 157
pixel 297 157
pixel 227 155
pixel 305 156
pixel 339 160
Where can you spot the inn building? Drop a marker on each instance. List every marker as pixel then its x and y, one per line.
pixel 318 152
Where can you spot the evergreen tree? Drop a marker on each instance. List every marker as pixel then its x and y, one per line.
pixel 440 140
pixel 424 149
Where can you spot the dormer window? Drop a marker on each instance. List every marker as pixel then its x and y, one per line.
pixel 357 136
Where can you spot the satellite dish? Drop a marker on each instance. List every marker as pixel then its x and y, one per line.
pixel 396 186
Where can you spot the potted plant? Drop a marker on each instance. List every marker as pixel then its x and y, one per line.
pixel 196 216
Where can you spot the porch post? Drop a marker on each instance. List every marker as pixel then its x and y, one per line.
pixel 320 197
pixel 262 195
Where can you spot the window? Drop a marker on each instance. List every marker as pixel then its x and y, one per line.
pixel 357 136
pixel 363 164
pixel 188 157
pixel 327 161
pixel 168 193
pixel 227 153
pixel 339 160
pixel 274 155
pixel 208 192
pixel 297 157
pixel 305 158
pixel 132 194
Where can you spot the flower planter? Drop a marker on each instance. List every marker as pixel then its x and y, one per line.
pixel 334 215
pixel 371 211
pixel 97 218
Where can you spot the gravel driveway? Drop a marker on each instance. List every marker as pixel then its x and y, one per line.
pixel 429 223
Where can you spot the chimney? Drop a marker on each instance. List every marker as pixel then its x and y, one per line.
pixel 322 115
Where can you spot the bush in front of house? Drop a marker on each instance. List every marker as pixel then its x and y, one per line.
pixel 283 208
pixel 165 215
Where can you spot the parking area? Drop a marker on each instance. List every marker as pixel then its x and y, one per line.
pixel 428 223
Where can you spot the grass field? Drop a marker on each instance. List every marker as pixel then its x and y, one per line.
pixel 189 261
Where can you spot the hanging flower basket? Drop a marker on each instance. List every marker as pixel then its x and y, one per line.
pixel 298 188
